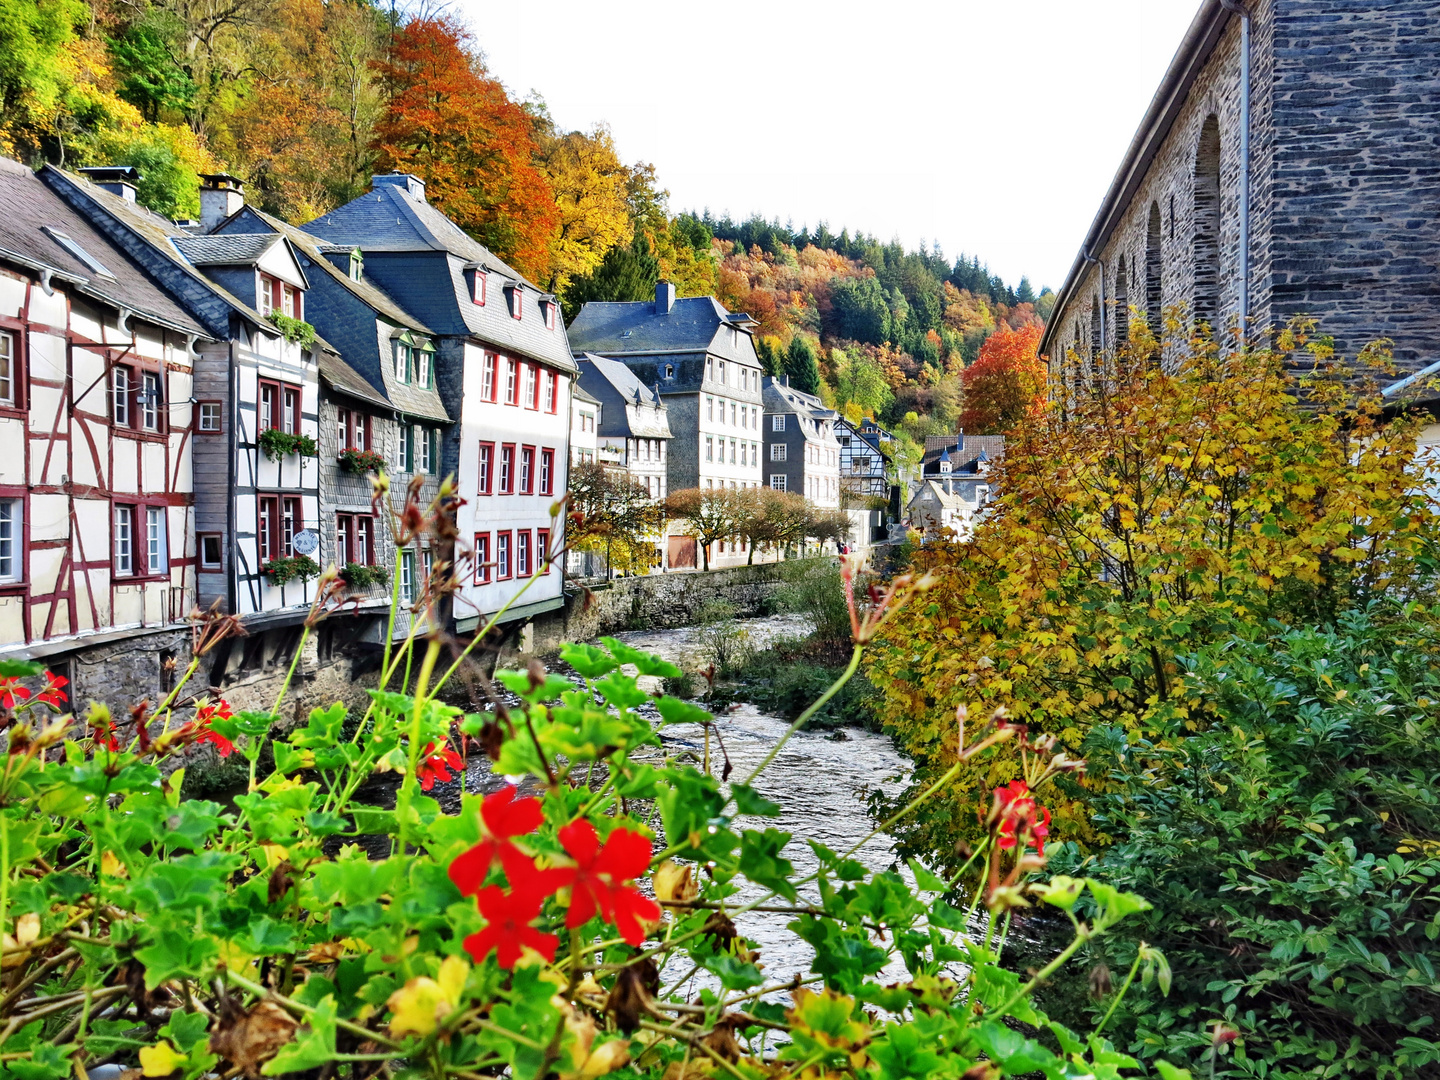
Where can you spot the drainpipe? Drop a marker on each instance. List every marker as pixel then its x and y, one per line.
pixel 1238 7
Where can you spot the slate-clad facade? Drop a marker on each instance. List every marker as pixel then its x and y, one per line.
pixel 504 373
pixel 1319 176
pixel 800 453
pixel 633 424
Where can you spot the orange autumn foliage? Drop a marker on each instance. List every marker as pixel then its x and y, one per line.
pixel 453 125
pixel 1006 383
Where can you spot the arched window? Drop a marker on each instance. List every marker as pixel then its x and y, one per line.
pixel 1206 225
pixel 1153 239
pixel 1122 301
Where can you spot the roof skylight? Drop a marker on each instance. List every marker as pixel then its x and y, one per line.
pixel 66 242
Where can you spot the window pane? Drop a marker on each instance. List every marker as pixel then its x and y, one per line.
pixel 7 369
pixel 9 555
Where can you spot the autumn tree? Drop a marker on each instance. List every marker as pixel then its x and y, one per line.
pixel 859 381
pixel 711 515
pixel 1168 512
pixel 590 185
pixel 450 122
pixel 1006 383
pixel 610 512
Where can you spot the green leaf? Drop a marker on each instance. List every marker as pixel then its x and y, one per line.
pixel 589 661
pixel 676 711
pixel 174 955
pixel 748 801
pixel 761 862
pixel 1170 1072
pixel 924 879
pixel 20 669
pixel 645 663
pixel 323 727
pixel 314 1044
pixel 520 684
pixel 994 986
pixel 733 974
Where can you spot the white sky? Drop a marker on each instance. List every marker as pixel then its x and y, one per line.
pixel 920 119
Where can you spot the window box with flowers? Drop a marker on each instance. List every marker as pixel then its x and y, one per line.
pixel 362 461
pixel 294 568
pixel 276 444
pixel 360 576
pixel 296 331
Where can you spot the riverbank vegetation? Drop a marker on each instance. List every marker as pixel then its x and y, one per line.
pixel 1214 582
pixel 549 929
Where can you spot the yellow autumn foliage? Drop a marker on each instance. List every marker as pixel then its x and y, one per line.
pixel 1146 513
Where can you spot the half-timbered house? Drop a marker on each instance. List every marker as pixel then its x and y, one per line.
pixel 256 390
pixel 97 433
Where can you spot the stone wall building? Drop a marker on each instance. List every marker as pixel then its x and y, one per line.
pixel 801 452
pixel 1309 187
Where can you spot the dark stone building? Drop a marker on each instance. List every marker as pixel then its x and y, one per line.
pixel 1289 164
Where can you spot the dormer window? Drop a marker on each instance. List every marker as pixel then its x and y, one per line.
pixel 478 290
pixel 424 363
pixel 549 308
pixel 516 301
pixel 669 371
pixel 357 266
pixel 402 362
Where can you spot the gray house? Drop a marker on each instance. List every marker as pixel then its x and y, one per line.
pixel 634 427
pixel 801 451
pixel 504 372
pixel 378 396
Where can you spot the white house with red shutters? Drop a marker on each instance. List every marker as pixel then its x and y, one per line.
pixel 503 370
pixel 97 434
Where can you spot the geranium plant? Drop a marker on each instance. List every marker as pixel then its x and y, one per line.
pixel 291 568
pixel 276 444
pixel 362 461
pixel 549 928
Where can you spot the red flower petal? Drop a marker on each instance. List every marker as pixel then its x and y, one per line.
pixel 505 816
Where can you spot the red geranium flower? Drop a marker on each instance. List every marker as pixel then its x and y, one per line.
pixel 598 880
pixel 11 692
pixel 435 764
pixel 508 931
pixel 54 693
pixel 219 710
pixel 503 817
pixel 1019 813
pixel 104 734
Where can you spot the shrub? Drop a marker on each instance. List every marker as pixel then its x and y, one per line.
pixel 361 576
pixel 1166 511
pixel 724 644
pixel 296 331
pixel 362 461
pixel 185 937
pixel 276 444
pixel 1281 815
pixel 295 567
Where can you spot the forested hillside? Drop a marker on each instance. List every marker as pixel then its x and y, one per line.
pixel 305 99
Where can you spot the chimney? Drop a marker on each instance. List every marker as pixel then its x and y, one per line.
pixel 116 179
pixel 411 184
pixel 961 444
pixel 785 380
pixel 664 297
pixel 220 196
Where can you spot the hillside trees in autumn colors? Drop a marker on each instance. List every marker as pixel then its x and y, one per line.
pixel 1006 383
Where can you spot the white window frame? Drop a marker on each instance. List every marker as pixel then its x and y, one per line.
pixel 156 556
pixel 211 410
pixel 779 452
pixel 407 576
pixel 423 367
pixel 424 463
pixel 402 362
pixel 777 422
pixel 120 392
pixel 12 545
pixel 124 517
pixel 150 405
pixel 7 368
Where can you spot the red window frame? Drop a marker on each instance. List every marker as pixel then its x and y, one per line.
pixel 486 485
pixel 523 551
pixel 503 555
pixel 527 470
pixel 267 528
pixel 489 377
pixel 517 302
pixel 353 430
pixel 292 521
pixel 552 391
pixel 549 314
pixel 542 548
pixel 512 381
pixel 483 567
pixel 359 531
pixel 477 293
pixel 505 483
pixel 547 472
pixel 282 392
pixel 19 383
pixel 532 386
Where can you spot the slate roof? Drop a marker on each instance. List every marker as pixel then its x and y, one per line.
pixel 613 383
pixel 412 248
pixel 387 218
pixel 780 397
pixel 233 250
pixel 131 224
pixel 30 206
pixel 947 500
pixel 579 393
pixel 963 455
pixel 313 251
pixel 347 380
pixel 634 327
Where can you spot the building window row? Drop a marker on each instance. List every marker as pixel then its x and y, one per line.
pixel 516 469
pixel 279 519
pixel 137 400
pixel 742 452
pixel 141 543
pixel 418 449
pixel 354 539
pixel 511 553
pixel 352 430
pixel 508 381
pixel 279 406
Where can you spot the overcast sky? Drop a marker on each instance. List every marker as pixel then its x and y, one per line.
pixel 926 120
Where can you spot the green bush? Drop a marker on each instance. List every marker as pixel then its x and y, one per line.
pixel 296 567
pixel 276 444
pixel 1284 821
pixel 786 676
